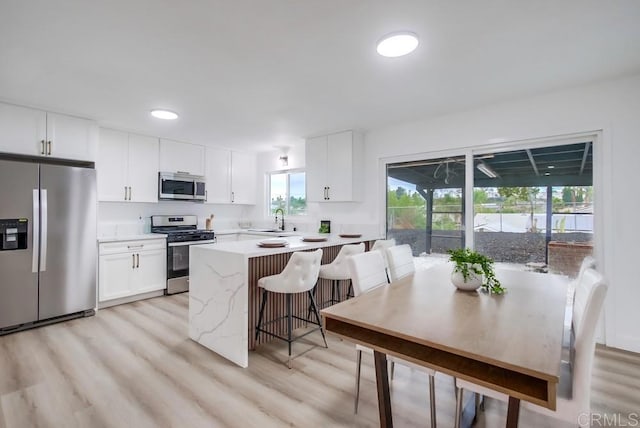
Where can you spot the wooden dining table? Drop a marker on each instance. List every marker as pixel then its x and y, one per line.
pixel 510 343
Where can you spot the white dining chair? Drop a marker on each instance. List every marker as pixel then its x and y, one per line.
pixel 368 272
pixel 587 262
pixel 574 389
pixel 401 261
pixel 298 276
pixel 381 245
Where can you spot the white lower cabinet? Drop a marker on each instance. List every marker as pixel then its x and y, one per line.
pixel 129 268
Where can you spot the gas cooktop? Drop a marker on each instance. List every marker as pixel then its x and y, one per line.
pixel 180 228
pixel 186 235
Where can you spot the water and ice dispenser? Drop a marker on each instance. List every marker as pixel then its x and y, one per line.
pixel 13 234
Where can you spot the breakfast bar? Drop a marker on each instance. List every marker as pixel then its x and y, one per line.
pixel 224 295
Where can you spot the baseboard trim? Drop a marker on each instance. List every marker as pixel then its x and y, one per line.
pixel 129 299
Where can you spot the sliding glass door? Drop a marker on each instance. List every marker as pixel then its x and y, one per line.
pixel 532 206
pixel 425 204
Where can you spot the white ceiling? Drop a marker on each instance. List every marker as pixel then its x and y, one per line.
pixel 263 73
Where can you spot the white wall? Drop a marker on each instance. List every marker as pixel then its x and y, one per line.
pixel 612 107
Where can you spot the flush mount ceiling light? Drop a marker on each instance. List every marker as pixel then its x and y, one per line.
pixel 164 114
pixel 397 44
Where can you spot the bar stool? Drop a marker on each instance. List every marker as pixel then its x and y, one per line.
pixel 298 276
pixel 338 270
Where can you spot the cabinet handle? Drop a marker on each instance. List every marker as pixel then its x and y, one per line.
pixel 49 148
pixel 206 195
pixel 328 196
pixel 42 142
pixel 129 192
pixel 233 196
pixel 133 261
pixel 135 247
pixel 125 193
pixel 137 260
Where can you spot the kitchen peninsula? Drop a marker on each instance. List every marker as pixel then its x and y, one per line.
pixel 224 295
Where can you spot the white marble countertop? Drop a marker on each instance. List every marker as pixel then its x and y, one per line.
pixel 250 248
pixel 143 236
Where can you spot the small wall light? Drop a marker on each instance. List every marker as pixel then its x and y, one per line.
pixel 284 160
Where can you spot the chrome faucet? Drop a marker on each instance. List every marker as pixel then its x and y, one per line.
pixel 282 218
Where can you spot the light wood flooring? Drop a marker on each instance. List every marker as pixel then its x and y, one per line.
pixel 133 366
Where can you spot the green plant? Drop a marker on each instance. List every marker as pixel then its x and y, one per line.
pixel 323 228
pixel 468 261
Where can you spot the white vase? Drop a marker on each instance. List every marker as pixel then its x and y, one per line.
pixel 472 283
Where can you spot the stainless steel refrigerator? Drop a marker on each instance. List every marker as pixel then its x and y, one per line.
pixel 47 243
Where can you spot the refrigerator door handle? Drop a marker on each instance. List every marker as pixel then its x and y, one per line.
pixel 43 225
pixel 36 230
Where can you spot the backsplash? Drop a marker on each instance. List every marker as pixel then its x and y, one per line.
pixel 119 218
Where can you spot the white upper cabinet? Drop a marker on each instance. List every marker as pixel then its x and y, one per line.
pixel 37 133
pixel 316 168
pixel 218 176
pixel 182 157
pixel 23 130
pixel 333 167
pixel 127 167
pixel 112 165
pixel 230 176
pixel 143 168
pixel 71 137
pixel 243 178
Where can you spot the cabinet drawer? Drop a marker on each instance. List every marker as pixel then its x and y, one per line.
pixel 132 246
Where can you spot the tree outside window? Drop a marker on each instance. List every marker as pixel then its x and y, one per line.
pixel 287 191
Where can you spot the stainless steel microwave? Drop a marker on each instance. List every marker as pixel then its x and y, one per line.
pixel 181 186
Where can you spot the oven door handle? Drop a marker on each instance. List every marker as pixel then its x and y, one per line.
pixel 182 244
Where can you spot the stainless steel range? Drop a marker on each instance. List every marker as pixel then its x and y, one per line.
pixel 182 233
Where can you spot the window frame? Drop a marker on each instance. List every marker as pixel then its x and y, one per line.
pixel 288 172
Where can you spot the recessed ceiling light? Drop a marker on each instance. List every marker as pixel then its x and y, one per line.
pixel 164 114
pixel 397 44
pixel 547 173
pixel 551 167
